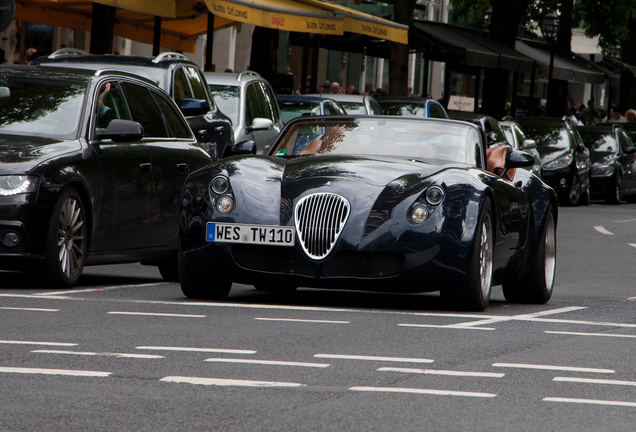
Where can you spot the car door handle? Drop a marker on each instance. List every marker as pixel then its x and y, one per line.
pixel 219 128
pixel 145 166
pixel 202 132
pixel 182 166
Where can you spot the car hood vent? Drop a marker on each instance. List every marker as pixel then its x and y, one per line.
pixel 320 219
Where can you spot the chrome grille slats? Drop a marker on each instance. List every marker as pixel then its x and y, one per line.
pixel 320 219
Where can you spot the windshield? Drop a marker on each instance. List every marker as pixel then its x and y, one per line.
pixel 434 141
pixel 354 107
pixel 403 109
pixel 550 138
pixel 41 107
pixel 228 100
pixel 292 109
pixel 599 142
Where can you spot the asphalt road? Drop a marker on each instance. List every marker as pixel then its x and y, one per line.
pixel 125 351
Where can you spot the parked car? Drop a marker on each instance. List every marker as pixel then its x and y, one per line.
pixel 249 101
pixel 354 104
pixel 519 140
pixel 613 156
pixel 296 106
pixel 411 106
pixel 566 161
pixel 175 74
pixel 372 203
pixel 92 164
pixel 489 126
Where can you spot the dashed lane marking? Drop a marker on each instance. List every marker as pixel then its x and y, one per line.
pixel 423 391
pixel 227 382
pixel 66 372
pixel 449 326
pixel 602 230
pixel 303 320
pixel 590 401
pixel 594 381
pixel 552 367
pixel 268 362
pixel 88 290
pixel 443 372
pixel 30 309
pixel 193 349
pixel 373 358
pixel 157 314
pixel 13 342
pixel 118 355
pixel 592 334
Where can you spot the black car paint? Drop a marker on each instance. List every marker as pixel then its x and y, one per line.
pixel 381 190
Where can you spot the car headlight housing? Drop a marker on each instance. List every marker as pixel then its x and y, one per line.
pixel 224 204
pixel 220 184
pixel 419 214
pixel 558 163
pixel 17 184
pixel 435 195
pixel 602 170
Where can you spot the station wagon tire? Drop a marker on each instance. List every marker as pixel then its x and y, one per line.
pixel 65 249
pixel 473 291
pixel 616 195
pixel 197 284
pixel 538 284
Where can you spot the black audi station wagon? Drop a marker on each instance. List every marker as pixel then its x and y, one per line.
pixel 92 163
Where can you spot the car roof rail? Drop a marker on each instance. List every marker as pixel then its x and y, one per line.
pixel 170 56
pixel 246 73
pixel 65 52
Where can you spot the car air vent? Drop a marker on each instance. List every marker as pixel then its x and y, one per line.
pixel 320 219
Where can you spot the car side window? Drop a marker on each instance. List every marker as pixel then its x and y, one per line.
pixel 272 105
pixel 624 140
pixel 176 125
pixel 329 109
pixel 180 86
pixel 111 104
pixel 145 111
pixel 434 111
pixel 251 103
pixel 375 108
pixel 196 82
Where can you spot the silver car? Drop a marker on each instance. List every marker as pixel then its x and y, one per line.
pixel 355 104
pixel 248 100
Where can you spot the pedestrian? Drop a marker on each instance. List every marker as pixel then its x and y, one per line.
pixel 350 88
pixel 569 115
pixel 630 116
pixel 616 116
pixel 335 87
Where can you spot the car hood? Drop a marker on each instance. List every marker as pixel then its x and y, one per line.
pixel 20 154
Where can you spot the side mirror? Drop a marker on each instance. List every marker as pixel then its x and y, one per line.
pixel 518 159
pixel 244 148
pixel 529 144
pixel 260 124
pixel 194 107
pixel 121 130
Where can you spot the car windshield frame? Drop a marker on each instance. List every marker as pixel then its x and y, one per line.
pixel 42 106
pixel 433 141
pixel 290 109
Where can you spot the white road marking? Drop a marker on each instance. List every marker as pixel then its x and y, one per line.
pixel 625 221
pixel 302 320
pixel 203 350
pixel 373 358
pixel 228 382
pixel 443 372
pixel 449 326
pixel 550 367
pixel 106 288
pixel 602 230
pixel 37 343
pixel 268 362
pixel 157 314
pixel 592 334
pixel 594 381
pixel 30 309
pixel 590 401
pixel 632 244
pixel 54 372
pixel 119 355
pixel 423 391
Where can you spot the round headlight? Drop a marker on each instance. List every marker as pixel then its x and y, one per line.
pixel 434 195
pixel 419 214
pixel 220 185
pixel 224 204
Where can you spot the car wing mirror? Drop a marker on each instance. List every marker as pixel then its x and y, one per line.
pixel 529 144
pixel 260 124
pixel 244 148
pixel 194 107
pixel 121 130
pixel 518 159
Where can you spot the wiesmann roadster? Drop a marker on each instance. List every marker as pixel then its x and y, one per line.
pixel 372 203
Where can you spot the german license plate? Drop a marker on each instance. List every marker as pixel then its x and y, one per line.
pixel 251 234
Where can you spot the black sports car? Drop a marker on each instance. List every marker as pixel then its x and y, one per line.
pixel 372 203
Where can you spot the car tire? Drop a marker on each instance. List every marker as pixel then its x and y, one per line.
pixel 65 249
pixel 169 270
pixel 616 195
pixel 574 195
pixel 538 284
pixel 473 291
pixel 204 285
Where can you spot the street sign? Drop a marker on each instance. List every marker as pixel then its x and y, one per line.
pixel 7 11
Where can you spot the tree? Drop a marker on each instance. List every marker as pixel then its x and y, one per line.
pixel 399 55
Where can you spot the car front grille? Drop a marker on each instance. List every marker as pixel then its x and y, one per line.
pixel 320 219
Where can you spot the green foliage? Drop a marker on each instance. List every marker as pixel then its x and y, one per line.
pixel 607 19
pixel 469 13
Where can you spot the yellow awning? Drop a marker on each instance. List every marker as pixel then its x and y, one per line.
pixel 162 8
pixel 178 33
pixel 287 15
pixel 362 23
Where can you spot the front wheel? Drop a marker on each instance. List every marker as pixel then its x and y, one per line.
pixel 538 284
pixel 473 291
pixel 616 195
pixel 576 190
pixel 65 250
pixel 197 284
